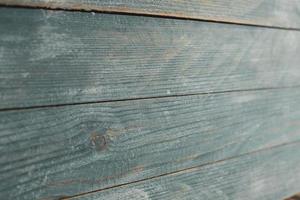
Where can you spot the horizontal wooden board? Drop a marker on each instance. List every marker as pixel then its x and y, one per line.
pixel 58 57
pixel 268 175
pixel 278 13
pixel 53 152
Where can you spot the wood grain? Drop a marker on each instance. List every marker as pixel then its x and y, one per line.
pixel 58 57
pixel 53 152
pixel 268 175
pixel 278 13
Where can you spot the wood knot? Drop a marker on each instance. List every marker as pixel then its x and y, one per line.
pixel 98 141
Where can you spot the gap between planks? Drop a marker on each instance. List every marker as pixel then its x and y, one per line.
pixel 132 12
pixel 186 170
pixel 145 98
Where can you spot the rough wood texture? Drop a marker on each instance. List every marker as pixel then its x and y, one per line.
pixel 53 152
pixel 268 175
pixel 279 13
pixel 57 57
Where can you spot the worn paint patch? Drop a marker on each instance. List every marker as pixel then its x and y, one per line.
pixel 128 194
pixel 53 42
pixel 244 98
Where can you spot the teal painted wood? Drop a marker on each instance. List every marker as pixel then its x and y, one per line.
pixel 268 175
pixel 56 57
pixel 279 13
pixel 53 152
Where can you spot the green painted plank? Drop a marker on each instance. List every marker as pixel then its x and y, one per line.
pixel 279 13
pixel 58 57
pixel 52 152
pixel 268 175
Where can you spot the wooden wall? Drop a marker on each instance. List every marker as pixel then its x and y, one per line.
pixel 149 100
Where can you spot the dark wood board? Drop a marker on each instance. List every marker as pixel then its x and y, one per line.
pixel 59 57
pixel 278 13
pixel 53 152
pixel 268 175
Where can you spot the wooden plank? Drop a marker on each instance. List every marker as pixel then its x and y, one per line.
pixel 52 152
pixel 269 175
pixel 278 13
pixel 57 57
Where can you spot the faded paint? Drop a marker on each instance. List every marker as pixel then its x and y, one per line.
pixel 127 194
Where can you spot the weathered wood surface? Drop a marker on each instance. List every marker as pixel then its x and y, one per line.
pixel 278 13
pixel 52 152
pixel 268 175
pixel 58 57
